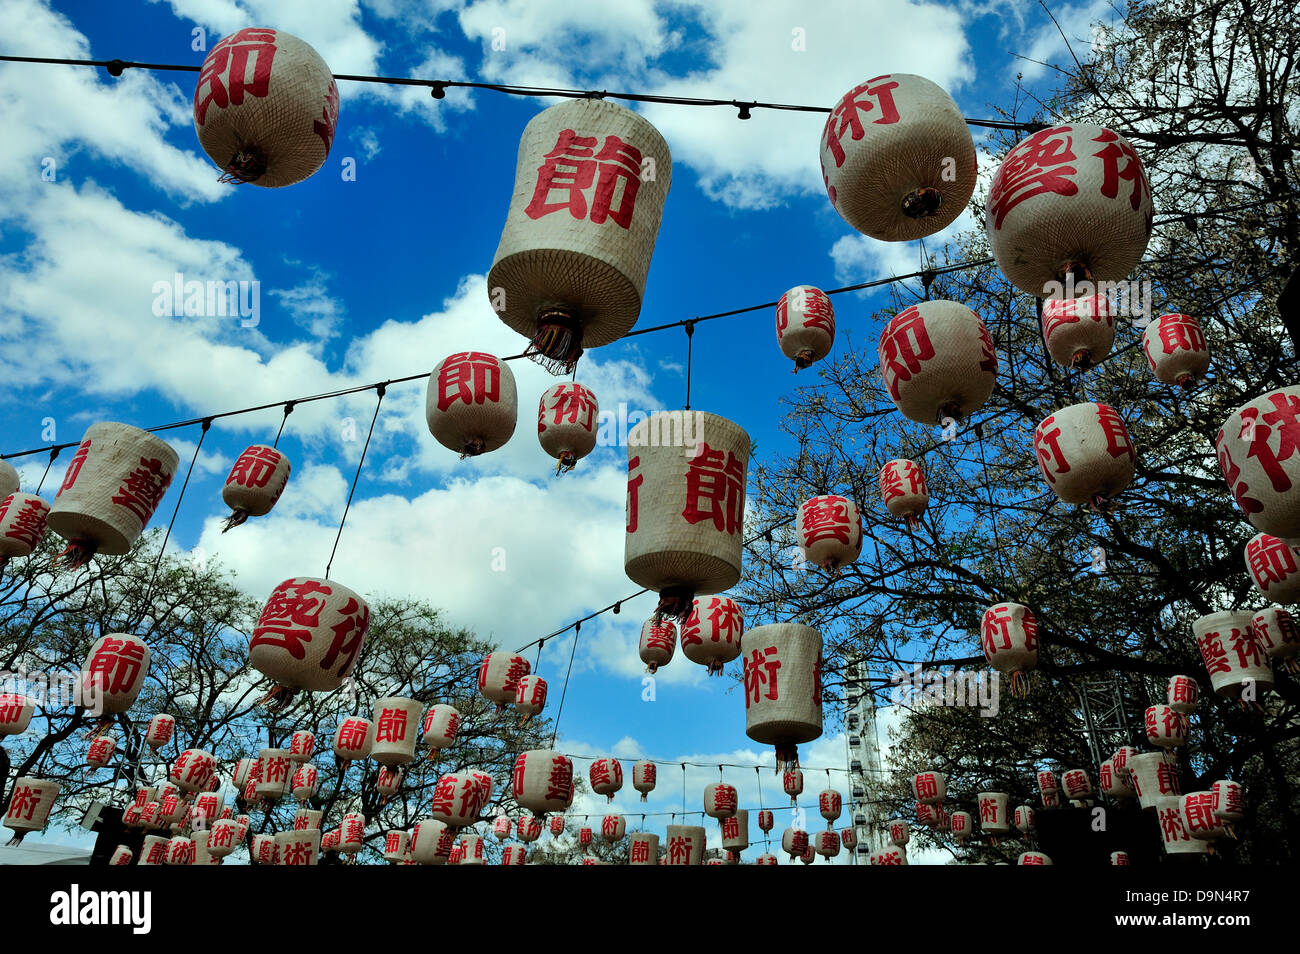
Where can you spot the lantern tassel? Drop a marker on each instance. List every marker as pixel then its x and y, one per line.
pixel 922 203
pixel 652 668
pixel 234 520
pixel 802 360
pixel 433 755
pixel 1290 664
pixel 473 448
pixel 1019 684
pixel 278 698
pixel 78 554
pixel 715 667
pixel 103 725
pixel 247 165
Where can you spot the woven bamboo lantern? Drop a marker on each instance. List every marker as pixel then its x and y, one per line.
pixel 567 418
pixel 22 524
pixel 1069 205
pixel 254 484
pixel 1237 664
pixel 1256 448
pixel 1078 332
pixel 792 783
pixel 353 739
pixel 30 801
pixel 1176 349
pixel 397 720
pixel 1275 630
pixel 305 782
pixel 658 640
pixel 529 828
pixel 113 674
pixel 644 776
pixel 589 194
pixel 930 788
pixel 160 731
pixel 308 637
pixel 122 855
pixel 15 713
pixel 960 824
pixel 112 487
pixel 994 819
pixel 1199 818
pixel 1167 728
pixel 1229 803
pixel 831 805
pixel 900 832
pixel 897 158
pixel 265 108
pixel 543 782
pixel 830 532
pixel 432 842
pixel 1024 819
pixel 1119 858
pixel 557 824
pixel 606 776
pixel 1275 568
pixel 766 821
pixel 1076 784
pixel 1173 828
pixel 499 675
pixel 9 480
pixel 902 487
pixel 1154 775
pixel 1033 858
pixel 100 751
pixel 735 831
pixel 805 325
pixel 685 506
pixel 471 405
pixel 530 696
pixel 1009 636
pixel 1085 454
pixel 938 362
pixel 1182 694
pixel 643 849
pixel 275 778
pixel 1112 783
pixel 720 800
pixel 396 844
pixel 711 633
pixel 782 683
pixel 441 723
pixel 613 828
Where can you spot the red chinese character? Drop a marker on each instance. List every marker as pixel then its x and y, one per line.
pixel 115 666
pixel 892 477
pixel 1199 812
pixel 1047 445
pixel 24 802
pixel 143 488
pixel 571 167
pixel 640 850
pixel 74 468
pixel 225 72
pixel 1271 560
pixel 759 671
pixel 825 518
pixel 352 735
pixel 988 810
pixel 1110 155
pixel 1231 471
pixel 358 624
pixel 714 490
pixel 1249 654
pixel 255 467
pixel 904 346
pixel 633 484
pixel 1036 166
pixel 1118 442
pixel 28 524
pixel 1285 417
pixel 470 376
pixel 559 784
pixel 926 785
pixel 1171 825
pixel 572 404
pixel 292 604
pixel 679 850
pixel 1179 332
pixel 391 726
pixel 845 114
pixel 324 127
pixel 662 635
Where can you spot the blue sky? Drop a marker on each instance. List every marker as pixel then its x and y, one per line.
pixel 383 277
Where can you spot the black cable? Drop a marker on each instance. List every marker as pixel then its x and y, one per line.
pixel 288 409
pixel 177 509
pixel 382 390
pixel 54 452
pixel 555 726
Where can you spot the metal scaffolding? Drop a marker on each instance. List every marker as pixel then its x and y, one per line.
pixel 863 759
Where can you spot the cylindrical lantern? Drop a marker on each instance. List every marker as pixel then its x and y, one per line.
pixel 1176 350
pixel 301 847
pixel 441 723
pixel 1173 828
pixel 805 325
pixel 1199 818
pixel 720 800
pixel 711 634
pixel 960 826
pixel 100 752
pixel 902 487
pixel 1154 775
pixel 1085 454
pixel 1077 784
pixel 472 849
pixel 590 185
pixel 275 778
pixel 1119 858
pixel 15 713
pixel 766 821
pixel 254 484
pixel 994 819
pixel 1069 205
pixel 308 636
pixel 613 828
pixel 352 833
pixel 160 731
pixel 1229 802
pixel 643 849
pixel 1238 666
pixel 1121 759
pixel 1275 568
pixel 153 851
pixel 397 720
pixel 1167 728
pixel 1183 693
pixel 543 782
pixel 113 674
pixel 1275 630
pixel 897 158
pixel 529 828
pixel 686 480
pixel 782 684
pixel 1033 858
pixel 1024 819
pixel 193 770
pixel 499 675
pixel 354 739
pixel 530 696
pixel 658 640
pixel 1078 332
pixel 180 851
pixel 514 855
pixel 644 776
pixel 502 827
pixel 122 855
pixel 765 859
pixel 30 801
pixel 1256 448
pixel 606 776
pixel 432 842
pixel 735 831
pixel 1113 783
pixel 557 824
pixel 831 805
pixel 567 418
pixel 396 843
pixel 223 837
pixel 471 404
pixel 900 832
pixel 112 487
pixel 849 838
pixel 263 850
pixel 830 532
pixel 792 783
pixel 927 815
pixel 22 523
pixel 794 842
pixel 685 844
pixel 930 788
pixel 388 782
pixel 938 362
pixel 1009 636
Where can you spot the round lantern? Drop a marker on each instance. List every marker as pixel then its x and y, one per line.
pixel 9 480
pixel 1033 858
pixel 1176 350
pixel 1078 332
pixel 502 827
pixel 711 634
pixel 831 805
pixel 432 842
pixel 1183 693
pixel 100 752
pixel 1009 636
pixel 994 819
pixel 15 713
pixel 1024 819
pixel 557 825
pixel 1237 664
pixel 805 325
pixel 354 739
pixel 388 782
pixel 113 674
pixel 897 158
pixel 22 523
pixel 902 487
pixel 1153 775
pixel 499 675
pixel 938 362
pixel 960 825
pixel 1047 784
pixel 1199 818
pixel 441 723
pixel 308 636
pixel 606 776
pixel 930 788
pixel 530 696
pixel 830 532
pixel 589 194
pixel 1173 828
pixel 471 404
pixel 826 843
pixel 613 828
pixel 397 720
pixel 1166 727
pixel 644 776
pixel 265 108
pixel 112 487
pixel 567 418
pixel 849 838
pixel 1275 568
pixel 1069 206
pixel 472 846
pixel 1229 803
pixel 585 837
pixel 1275 630
pixel 529 828
pixel 160 731
pixel 1077 784
pixel 782 683
pixel 302 745
pixel 1256 448
pixel 765 859
pixel 1121 758
pixel 794 842
pixel 766 821
pixel 900 832
pixel 686 480
pixel 30 801
pixel 792 783
pixel 1085 454
pixel 352 833
pixel 735 831
pixel 643 849
pixel 1113 783
pixel 254 484
pixel 543 782
pixel 180 851
pixel 658 640
pixel 720 800
pixel 122 855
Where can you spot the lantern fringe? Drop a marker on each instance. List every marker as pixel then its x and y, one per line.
pixel 235 519
pixel 802 360
pixel 1020 684
pixel 566 462
pixel 913 522
pixel 103 725
pixel 1187 382
pixel 247 165
pixel 278 698
pixel 1291 664
pixel 714 667
pixel 1081 360
pixel 557 345
pixel 922 203
pixel 78 553
pixel 652 668
pixel 473 448
pixel 674 603
pixel 433 755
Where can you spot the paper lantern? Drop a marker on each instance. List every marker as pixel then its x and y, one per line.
pixel 994 820
pixel 397 721
pixel 502 827
pixel 735 831
pixel 9 480
pixel 352 832
pixel 265 108
pixel 826 843
pixel 1173 828
pixel 685 845
pixel 1229 803
pixel 766 821
pixel 276 774
pixel 543 782
pixel 514 855
pixel 794 842
pixel 643 849
pixel 1047 783
pixel 1176 350
pixel 1166 727
pixel 472 849
pixel 720 800
pixel 567 419
pixel 1070 204
pixel 792 783
pixel 1154 775
pixel 937 361
pixel 765 859
pixel 1275 630
pixel 712 631
pixel 30 801
pixel 658 640
pixel 122 855
pixel 1033 858
pixel 1199 818
pixel 1121 759
pixel 307 818
pixel 1085 454
pixel 830 804
pixel 570 271
pixel 1275 568
pixel 897 158
pixel 159 733
pixel 193 770
pixel 100 751
pixel 113 674
pixel 432 842
pixel 471 404
pixel 606 776
pixel 900 832
pixel 1182 694
pixel 1009 636
pixel 309 636
pixel 22 523
pixel 895 856
pixel 529 828
pixel 180 851
pixel 930 788
pixel 1024 819
pixel 557 824
pixel 388 782
pixel 1078 332
pixel 262 851
pixel 530 696
pixel 353 739
pixel 1119 858
pixel 1256 448
pixel 782 684
pixel 927 815
pixel 254 484
pixel 830 532
pixel 499 675
pixel 805 325
pixel 644 776
pixel 849 838
pixel 960 825
pixel 441 723
pixel 1077 784
pixel 1237 664
pixel 301 847
pixel 153 851
pixel 396 843
pixel 206 806
pixel 685 506
pixel 112 487
pixel 585 836
pixel 1114 784
pixel 613 828
pixel 15 713
pixel 902 487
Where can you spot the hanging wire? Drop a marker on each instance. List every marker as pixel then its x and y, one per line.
pixel 177 509
pixel 54 452
pixel 348 506
pixel 690 338
pixel 555 726
pixel 288 409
